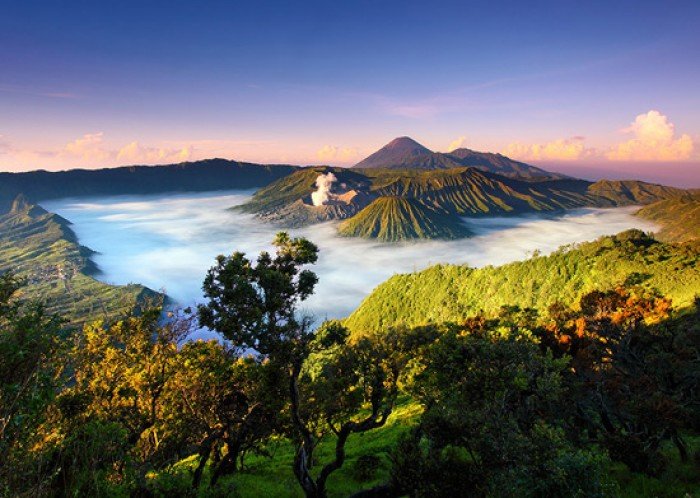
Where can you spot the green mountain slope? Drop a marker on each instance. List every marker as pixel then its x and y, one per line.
pixel 679 218
pixel 443 193
pixel 446 293
pixel 392 219
pixel 625 192
pixel 40 247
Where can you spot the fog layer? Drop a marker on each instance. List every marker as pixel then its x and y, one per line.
pixel 169 241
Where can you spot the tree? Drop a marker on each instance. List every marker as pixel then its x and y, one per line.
pixel 330 380
pixel 30 374
pixel 634 372
pixel 221 405
pixel 492 422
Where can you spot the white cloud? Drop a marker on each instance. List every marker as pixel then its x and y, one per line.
pixel 332 153
pixel 90 147
pixel 654 140
pixel 569 149
pixel 457 143
pixel 135 152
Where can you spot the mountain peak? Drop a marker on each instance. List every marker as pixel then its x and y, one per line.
pixel 20 204
pixel 395 152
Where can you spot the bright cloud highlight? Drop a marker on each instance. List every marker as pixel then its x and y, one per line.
pixel 457 143
pixel 654 140
pixel 332 153
pixel 570 149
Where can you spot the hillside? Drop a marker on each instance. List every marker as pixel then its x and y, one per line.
pixel 448 193
pixel 41 247
pixel 210 174
pixel 445 293
pixel 392 219
pixel 500 164
pixel 406 153
pixel 679 218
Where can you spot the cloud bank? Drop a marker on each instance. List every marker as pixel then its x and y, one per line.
pixel 654 140
pixel 169 241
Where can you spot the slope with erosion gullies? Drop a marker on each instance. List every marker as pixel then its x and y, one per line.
pixel 393 219
pixel 453 192
pixel 451 293
pixel 41 248
pixel 679 218
pixel 469 192
pixel 198 176
pixel 626 192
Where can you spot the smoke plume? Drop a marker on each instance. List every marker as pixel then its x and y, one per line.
pixel 323 194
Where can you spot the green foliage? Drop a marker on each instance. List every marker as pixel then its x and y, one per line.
pixel 40 247
pixel 255 305
pixel 30 373
pixel 679 218
pixel 451 293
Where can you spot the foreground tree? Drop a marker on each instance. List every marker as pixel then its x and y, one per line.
pixel 492 422
pixel 634 372
pixel 30 374
pixel 334 385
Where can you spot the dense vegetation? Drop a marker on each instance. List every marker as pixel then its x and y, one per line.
pixel 454 292
pixel 41 248
pixel 679 218
pixel 593 398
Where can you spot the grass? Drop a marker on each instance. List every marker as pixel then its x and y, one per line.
pixel 273 477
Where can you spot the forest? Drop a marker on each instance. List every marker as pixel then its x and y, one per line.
pixel 593 393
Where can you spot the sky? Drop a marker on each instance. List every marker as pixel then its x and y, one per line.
pixel 594 89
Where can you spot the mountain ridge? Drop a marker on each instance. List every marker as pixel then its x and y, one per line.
pixel 406 153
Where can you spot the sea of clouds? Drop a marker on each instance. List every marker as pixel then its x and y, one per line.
pixel 167 242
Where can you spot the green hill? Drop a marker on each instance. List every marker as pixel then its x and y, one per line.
pixel 445 293
pixel 445 193
pixel 41 247
pixel 679 218
pixel 392 219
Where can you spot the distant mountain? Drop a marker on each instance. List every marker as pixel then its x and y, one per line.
pixel 406 153
pixel 395 153
pixel 198 176
pixel 679 218
pixel 41 247
pixel 393 219
pixel 500 164
pixel 435 194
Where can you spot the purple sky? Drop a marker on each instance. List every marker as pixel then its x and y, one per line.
pixel 585 88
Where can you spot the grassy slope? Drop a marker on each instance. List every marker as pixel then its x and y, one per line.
pixel 41 247
pixel 273 476
pixel 451 293
pixel 679 218
pixel 392 219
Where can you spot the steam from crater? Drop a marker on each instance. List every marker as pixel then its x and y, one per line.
pixel 323 193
